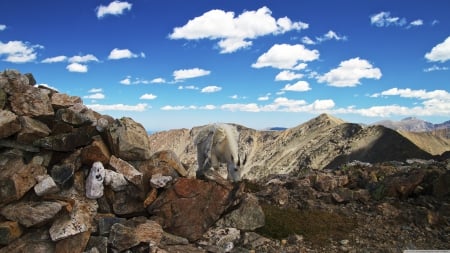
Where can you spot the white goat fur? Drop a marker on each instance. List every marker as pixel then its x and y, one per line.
pixel 216 144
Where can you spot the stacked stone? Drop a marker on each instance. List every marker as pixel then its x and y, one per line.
pixel 74 180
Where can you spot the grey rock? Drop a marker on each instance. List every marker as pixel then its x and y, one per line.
pixel 9 124
pixel 31 214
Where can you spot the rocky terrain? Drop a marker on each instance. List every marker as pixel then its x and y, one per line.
pixel 74 180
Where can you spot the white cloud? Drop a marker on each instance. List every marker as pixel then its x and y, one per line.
pixel 117 54
pixel 114 8
pixel 436 102
pixel 188 87
pixel 252 107
pixel 126 81
pixel 60 58
pixel 211 89
pixel 148 96
pixel 298 86
pixel 349 73
pixel 97 95
pixel 190 73
pixel 95 90
pixel 285 56
pixel 440 52
pixel 2 27
pixel 287 75
pixel 158 80
pixel 264 98
pixel 77 67
pixel 384 19
pixel 233 32
pixel 18 51
pixel 83 58
pixel 208 107
pixel 417 22
pixel 330 35
pixel 178 107
pixel 119 107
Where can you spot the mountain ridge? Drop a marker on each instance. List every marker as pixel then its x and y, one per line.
pixel 323 142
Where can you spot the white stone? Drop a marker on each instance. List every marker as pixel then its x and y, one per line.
pixel 159 181
pixel 94 182
pixel 116 180
pixel 45 185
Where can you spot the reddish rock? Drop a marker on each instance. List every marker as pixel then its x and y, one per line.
pixel 191 206
pixel 61 100
pixel 96 151
pixel 9 231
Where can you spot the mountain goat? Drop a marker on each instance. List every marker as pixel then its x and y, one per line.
pixel 217 144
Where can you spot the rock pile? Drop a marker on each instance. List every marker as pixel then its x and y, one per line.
pixel 73 180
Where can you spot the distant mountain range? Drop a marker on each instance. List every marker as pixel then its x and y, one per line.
pixel 324 142
pixel 413 124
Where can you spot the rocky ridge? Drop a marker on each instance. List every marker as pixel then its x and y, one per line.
pixel 324 142
pixel 54 152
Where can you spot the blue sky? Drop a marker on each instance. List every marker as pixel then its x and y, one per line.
pixel 178 64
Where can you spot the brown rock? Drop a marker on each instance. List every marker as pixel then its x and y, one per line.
pixel 9 124
pixel 126 169
pixel 31 214
pixel 9 231
pixel 73 244
pixel 35 241
pixel 128 140
pixel 61 100
pixel 31 102
pixel 327 183
pixel 151 196
pixel 31 130
pixel 96 151
pixel 168 159
pixel 248 216
pixel 138 230
pixel 128 201
pixel 191 206
pixel 16 179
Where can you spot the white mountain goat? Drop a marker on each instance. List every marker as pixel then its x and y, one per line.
pixel 217 144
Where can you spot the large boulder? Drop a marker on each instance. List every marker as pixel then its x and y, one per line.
pixel 191 206
pixel 128 140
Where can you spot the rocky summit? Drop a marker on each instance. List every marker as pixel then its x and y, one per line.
pixel 74 180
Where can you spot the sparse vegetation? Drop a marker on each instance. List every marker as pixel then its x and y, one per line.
pixel 316 226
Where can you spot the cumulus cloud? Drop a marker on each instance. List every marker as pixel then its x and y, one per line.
pixel 83 58
pixel 60 58
pixel 285 56
pixel 235 32
pixel 119 107
pixel 77 67
pixel 349 73
pixel 158 80
pixel 148 96
pixel 190 73
pixel 114 8
pixel 298 86
pixel 431 103
pixel 126 81
pixel 287 75
pixel 2 27
pixel 97 95
pixel 117 54
pixel 18 51
pixel 440 52
pixel 251 107
pixel 211 89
